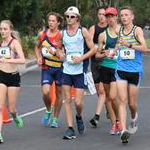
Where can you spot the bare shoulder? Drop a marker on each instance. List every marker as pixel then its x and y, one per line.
pixel 117 29
pixel 15 42
pixel 138 30
pixel 85 32
pixel 40 34
pixel 92 28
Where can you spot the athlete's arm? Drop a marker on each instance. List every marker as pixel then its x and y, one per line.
pixel 60 50
pixel 101 53
pixel 140 37
pixel 38 48
pixel 90 44
pixel 92 31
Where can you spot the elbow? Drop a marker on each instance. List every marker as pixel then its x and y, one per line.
pixel 23 60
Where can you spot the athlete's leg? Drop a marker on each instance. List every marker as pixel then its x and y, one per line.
pixel 122 88
pixel 78 101
pixel 57 108
pixel 68 101
pixel 13 93
pixel 101 99
pixel 133 91
pixel 113 97
pixel 46 96
pixel 3 91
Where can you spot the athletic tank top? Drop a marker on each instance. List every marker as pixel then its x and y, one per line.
pixel 129 60
pixel 74 46
pixel 52 42
pixel 98 30
pixel 110 43
pixel 6 52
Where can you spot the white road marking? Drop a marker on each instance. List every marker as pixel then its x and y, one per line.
pixel 144 87
pixel 32 112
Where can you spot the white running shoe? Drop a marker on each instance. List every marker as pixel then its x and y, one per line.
pixel 133 127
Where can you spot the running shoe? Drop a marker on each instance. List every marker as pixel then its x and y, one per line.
pixel 1 139
pixel 70 134
pixel 54 123
pixel 94 122
pixel 47 117
pixel 133 127
pixel 80 125
pixel 119 127
pixel 18 122
pixel 125 136
pixel 114 130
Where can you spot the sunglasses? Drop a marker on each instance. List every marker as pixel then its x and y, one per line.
pixel 70 17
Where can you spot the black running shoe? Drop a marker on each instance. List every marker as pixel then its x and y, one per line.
pixel 125 136
pixel 94 122
pixel 80 125
pixel 70 134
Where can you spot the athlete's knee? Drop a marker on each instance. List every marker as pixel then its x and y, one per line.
pixel 78 103
pixel 132 104
pixel 46 94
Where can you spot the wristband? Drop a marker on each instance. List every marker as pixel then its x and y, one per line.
pixel 130 46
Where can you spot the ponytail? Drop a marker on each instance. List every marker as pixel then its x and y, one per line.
pixel 16 35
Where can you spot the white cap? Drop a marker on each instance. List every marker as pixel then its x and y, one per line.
pixel 73 9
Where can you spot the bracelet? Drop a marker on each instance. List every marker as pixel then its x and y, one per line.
pixel 130 46
pixel 39 58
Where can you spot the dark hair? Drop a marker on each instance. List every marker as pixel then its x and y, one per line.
pixel 101 7
pixel 128 8
pixel 59 17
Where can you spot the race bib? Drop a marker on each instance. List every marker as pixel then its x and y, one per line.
pixel 70 57
pixel 127 53
pixel 46 52
pixel 5 52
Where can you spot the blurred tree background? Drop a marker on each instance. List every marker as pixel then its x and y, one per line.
pixel 28 16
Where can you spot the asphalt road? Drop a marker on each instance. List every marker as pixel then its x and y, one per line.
pixel 33 136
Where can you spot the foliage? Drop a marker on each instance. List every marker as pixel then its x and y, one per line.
pixel 28 16
pixel 148 42
pixel 28 44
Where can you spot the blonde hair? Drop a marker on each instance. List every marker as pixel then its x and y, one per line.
pixel 14 34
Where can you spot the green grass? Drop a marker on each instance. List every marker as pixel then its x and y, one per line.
pixel 148 42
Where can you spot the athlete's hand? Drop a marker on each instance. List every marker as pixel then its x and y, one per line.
pixel 52 51
pixel 77 59
pixel 124 43
pixel 2 60
pixel 61 55
pixel 106 52
pixel 39 61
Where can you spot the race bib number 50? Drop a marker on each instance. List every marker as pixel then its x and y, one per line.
pixel 127 53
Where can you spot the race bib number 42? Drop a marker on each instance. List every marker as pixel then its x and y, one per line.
pixel 5 52
pixel 127 53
